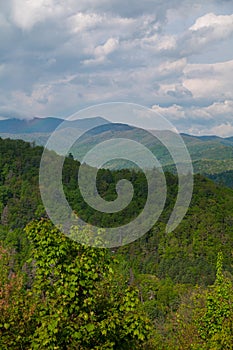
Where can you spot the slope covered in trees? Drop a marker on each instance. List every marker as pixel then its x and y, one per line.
pixel 210 154
pixel 224 179
pixel 164 276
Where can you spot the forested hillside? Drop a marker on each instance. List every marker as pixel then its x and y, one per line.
pixel 210 154
pixel 164 291
pixel 225 178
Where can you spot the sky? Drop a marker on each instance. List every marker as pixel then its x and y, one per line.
pixel 175 56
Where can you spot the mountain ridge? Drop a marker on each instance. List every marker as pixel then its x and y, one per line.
pixel 210 154
pixel 46 125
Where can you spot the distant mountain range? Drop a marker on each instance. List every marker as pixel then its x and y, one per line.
pixel 46 125
pixel 210 154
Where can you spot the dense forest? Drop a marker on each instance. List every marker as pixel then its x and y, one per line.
pixel 163 291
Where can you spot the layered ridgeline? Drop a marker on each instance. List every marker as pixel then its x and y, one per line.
pixel 206 228
pixel 170 271
pixel 211 155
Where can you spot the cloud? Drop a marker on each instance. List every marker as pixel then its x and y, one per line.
pixel 209 80
pixel 221 109
pixel 172 113
pixel 7 113
pixel 102 51
pixel 57 57
pixel 221 26
pixel 108 47
pixel 26 14
pixel 207 30
pixel 223 130
pixel 166 43
pixel 83 21
pixel 180 91
pixel 216 118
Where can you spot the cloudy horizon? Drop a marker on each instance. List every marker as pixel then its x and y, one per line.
pixel 174 56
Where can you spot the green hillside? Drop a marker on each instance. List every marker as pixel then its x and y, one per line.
pixel 210 154
pixel 153 293
pixel 20 202
pixel 225 178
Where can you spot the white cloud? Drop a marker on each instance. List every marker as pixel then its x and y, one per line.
pixel 173 112
pixel 25 14
pixel 102 51
pixel 221 25
pixel 108 47
pixel 169 67
pixel 215 119
pixel 83 21
pixel 207 30
pixel 7 113
pixel 209 80
pixel 59 56
pixel 167 42
pixel 223 130
pixel 216 112
pixel 221 109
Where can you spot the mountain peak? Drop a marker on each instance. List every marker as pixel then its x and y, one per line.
pixel 47 124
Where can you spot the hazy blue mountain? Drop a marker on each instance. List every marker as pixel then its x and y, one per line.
pixel 210 154
pixel 46 125
pixel 38 125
